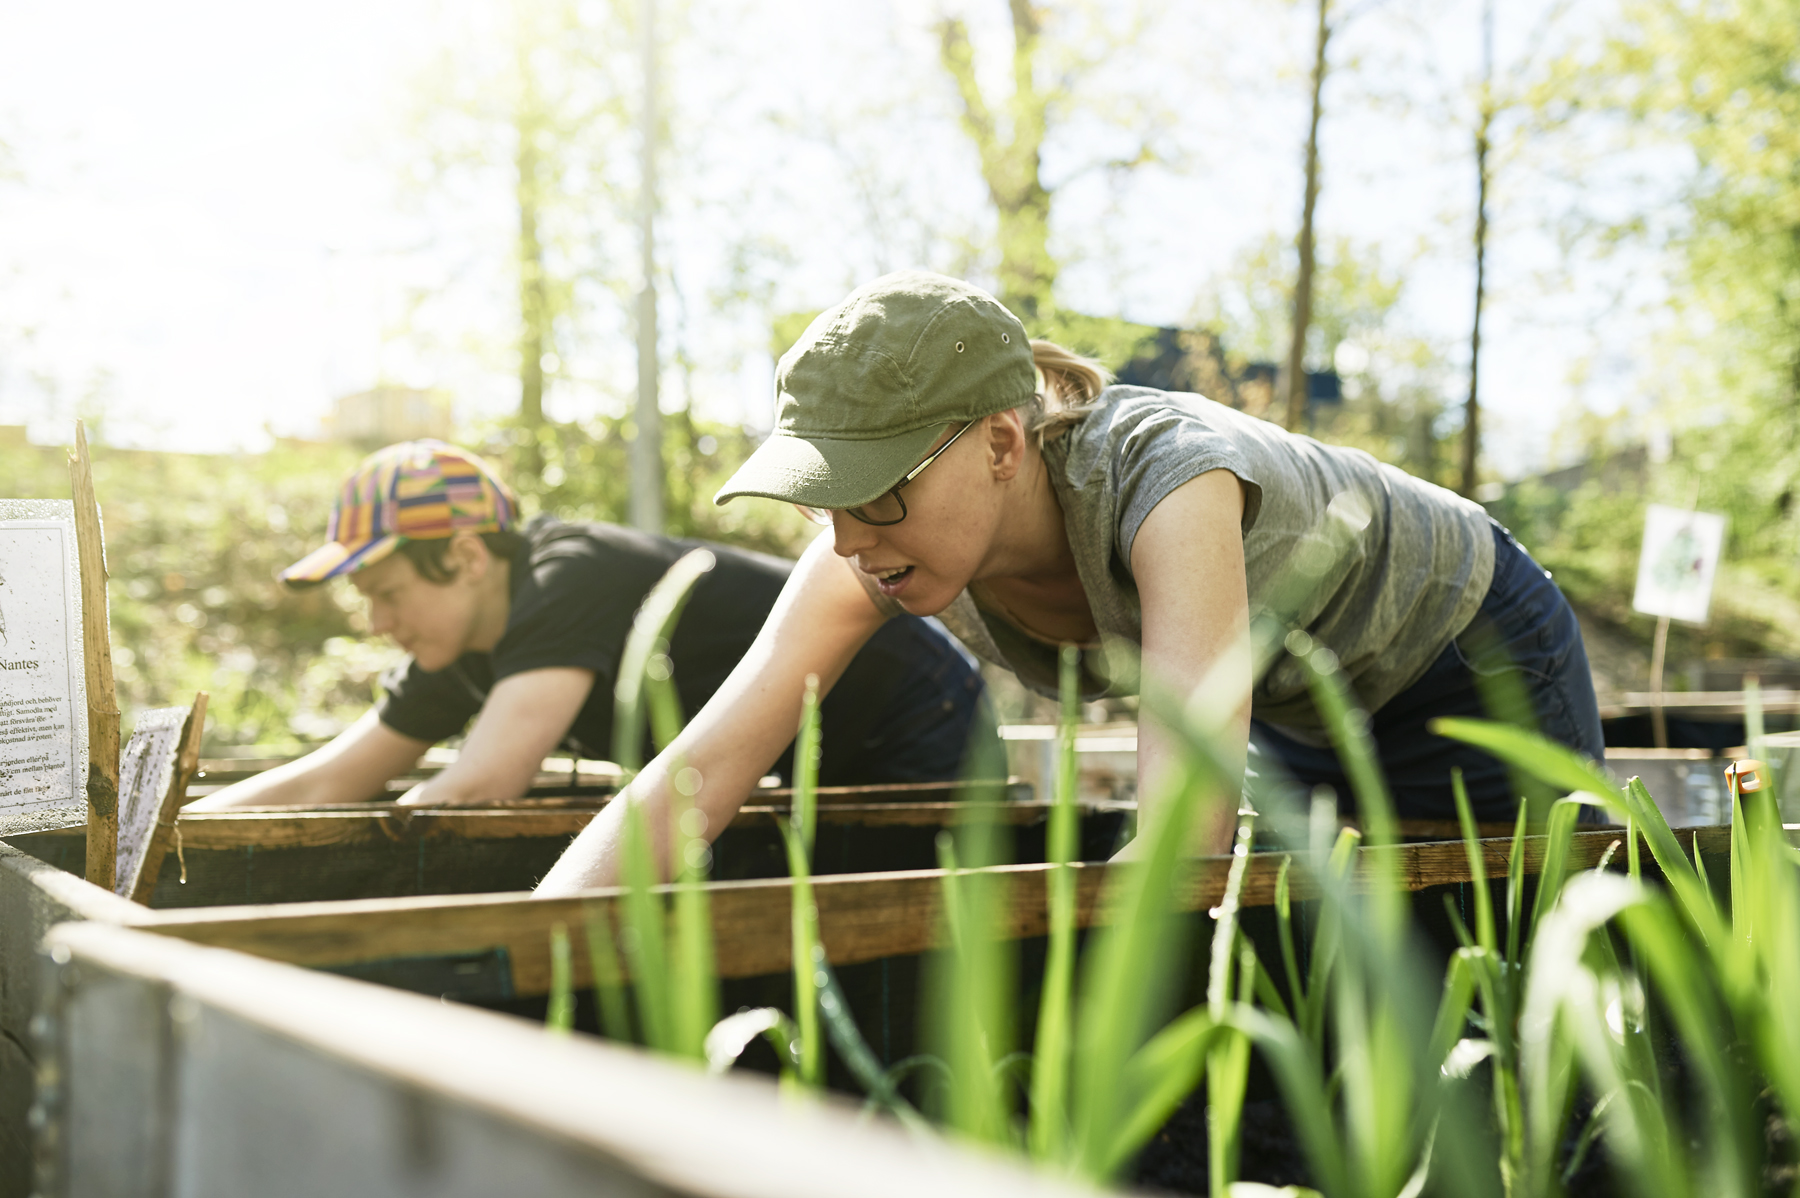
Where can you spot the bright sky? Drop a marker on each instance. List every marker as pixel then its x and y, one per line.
pixel 210 231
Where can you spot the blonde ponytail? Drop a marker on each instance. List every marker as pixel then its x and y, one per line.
pixel 1071 385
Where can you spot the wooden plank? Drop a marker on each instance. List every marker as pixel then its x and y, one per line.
pixel 553 791
pixel 187 761
pixel 863 917
pixel 102 696
pixel 1706 704
pixel 399 1093
pixel 366 823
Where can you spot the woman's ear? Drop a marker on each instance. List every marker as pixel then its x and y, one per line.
pixel 1007 444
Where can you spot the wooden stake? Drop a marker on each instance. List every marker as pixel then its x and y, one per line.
pixel 1658 725
pixel 102 696
pixel 187 763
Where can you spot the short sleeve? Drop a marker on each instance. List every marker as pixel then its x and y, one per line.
pixel 427 705
pixel 1156 448
pixel 568 614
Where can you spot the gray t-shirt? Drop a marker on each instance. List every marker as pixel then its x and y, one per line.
pixel 1407 584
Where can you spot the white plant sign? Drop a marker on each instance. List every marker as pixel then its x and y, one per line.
pixel 1679 561
pixel 43 680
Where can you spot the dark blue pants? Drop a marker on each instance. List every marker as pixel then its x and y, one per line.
pixel 1525 639
pixel 909 708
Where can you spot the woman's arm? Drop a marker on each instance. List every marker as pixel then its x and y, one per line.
pixel 1188 560
pixel 821 619
pixel 352 767
pixel 523 719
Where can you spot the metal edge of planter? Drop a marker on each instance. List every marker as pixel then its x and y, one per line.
pixel 34 897
pixel 205 1071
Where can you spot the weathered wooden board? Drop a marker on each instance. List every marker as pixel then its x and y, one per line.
pixel 384 851
pixel 183 1070
pixel 861 917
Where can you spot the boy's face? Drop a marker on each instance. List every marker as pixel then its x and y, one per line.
pixel 433 622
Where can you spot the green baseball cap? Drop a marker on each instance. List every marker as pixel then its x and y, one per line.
pixel 870 385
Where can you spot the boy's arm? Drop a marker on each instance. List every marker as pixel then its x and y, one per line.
pixel 526 715
pixel 352 767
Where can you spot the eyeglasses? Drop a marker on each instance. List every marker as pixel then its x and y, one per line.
pixel 889 508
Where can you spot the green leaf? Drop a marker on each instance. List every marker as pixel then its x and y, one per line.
pixel 651 630
pixel 1049 1132
pixel 559 1017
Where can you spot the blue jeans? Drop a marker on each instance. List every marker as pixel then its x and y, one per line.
pixel 910 708
pixel 1524 642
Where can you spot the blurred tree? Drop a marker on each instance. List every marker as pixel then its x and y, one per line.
pixel 1292 380
pixel 1721 83
pixel 1011 156
pixel 528 103
pixel 1484 128
pixel 193 544
pixel 1009 137
pixel 1393 379
pixel 1496 96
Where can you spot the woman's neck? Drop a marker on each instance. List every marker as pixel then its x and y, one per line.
pixel 1032 545
pixel 1031 573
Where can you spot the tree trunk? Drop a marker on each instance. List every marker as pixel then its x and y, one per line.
pixel 534 284
pixel 1471 440
pixel 534 297
pixel 646 446
pixel 1294 374
pixel 1011 168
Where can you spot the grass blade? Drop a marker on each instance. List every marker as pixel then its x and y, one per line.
pixel 609 981
pixel 804 918
pixel 694 979
pixel 1515 890
pixel 1284 929
pixel 1228 1063
pixel 1561 766
pixel 1478 882
pixel 1347 726
pixel 728 1039
pixel 645 937
pixel 1048 1135
pixel 651 630
pixel 559 1017
pixel 1557 831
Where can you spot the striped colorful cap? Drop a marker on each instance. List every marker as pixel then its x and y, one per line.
pixel 413 491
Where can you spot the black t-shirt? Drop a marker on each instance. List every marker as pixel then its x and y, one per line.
pixel 575 589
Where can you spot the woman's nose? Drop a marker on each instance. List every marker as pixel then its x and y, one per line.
pixel 851 536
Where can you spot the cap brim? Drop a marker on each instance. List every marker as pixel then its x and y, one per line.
pixel 332 559
pixel 825 472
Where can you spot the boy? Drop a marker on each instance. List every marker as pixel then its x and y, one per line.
pixel 521 630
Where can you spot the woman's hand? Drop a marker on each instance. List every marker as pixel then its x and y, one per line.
pixel 1188 561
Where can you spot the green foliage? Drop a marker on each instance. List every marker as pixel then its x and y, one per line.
pixel 583 473
pixel 798 835
pixel 1603 987
pixel 1718 84
pixel 193 543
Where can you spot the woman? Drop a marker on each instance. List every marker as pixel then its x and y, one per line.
pixel 912 423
